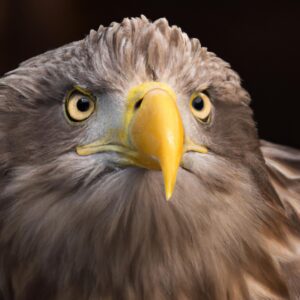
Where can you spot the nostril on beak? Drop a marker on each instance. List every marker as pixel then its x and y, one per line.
pixel 138 104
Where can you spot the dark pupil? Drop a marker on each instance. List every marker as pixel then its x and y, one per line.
pixel 198 103
pixel 83 104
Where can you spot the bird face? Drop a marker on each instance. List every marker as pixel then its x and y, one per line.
pixel 152 133
pixel 147 131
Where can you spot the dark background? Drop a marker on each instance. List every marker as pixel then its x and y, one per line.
pixel 260 40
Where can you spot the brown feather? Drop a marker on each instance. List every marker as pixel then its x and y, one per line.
pixel 283 165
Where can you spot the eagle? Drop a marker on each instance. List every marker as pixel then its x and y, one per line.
pixel 131 169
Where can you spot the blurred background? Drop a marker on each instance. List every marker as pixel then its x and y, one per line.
pixel 260 40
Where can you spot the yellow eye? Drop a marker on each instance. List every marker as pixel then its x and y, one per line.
pixel 201 107
pixel 79 106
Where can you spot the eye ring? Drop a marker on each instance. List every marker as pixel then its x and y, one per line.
pixel 79 105
pixel 200 106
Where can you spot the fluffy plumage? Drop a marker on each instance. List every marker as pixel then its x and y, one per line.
pixel 74 227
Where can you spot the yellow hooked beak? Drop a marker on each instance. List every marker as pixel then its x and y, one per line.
pixel 156 132
pixel 152 136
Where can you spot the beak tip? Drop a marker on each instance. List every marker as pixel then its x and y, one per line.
pixel 168 196
pixel 169 192
pixel 169 174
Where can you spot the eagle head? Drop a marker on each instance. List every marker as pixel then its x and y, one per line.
pixel 96 135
